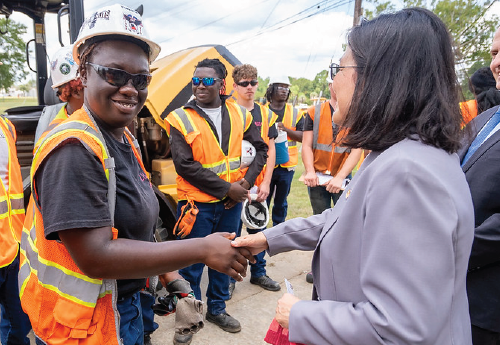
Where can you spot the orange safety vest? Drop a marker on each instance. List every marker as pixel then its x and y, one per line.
pixel 290 119
pixel 326 160
pixel 271 117
pixel 64 305
pixel 11 200
pixel 61 115
pixel 206 148
pixel 469 110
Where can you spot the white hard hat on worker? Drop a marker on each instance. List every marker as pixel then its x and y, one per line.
pixel 114 20
pixel 63 67
pixel 280 79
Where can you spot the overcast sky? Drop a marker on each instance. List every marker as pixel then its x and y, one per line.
pixel 258 32
pixel 299 50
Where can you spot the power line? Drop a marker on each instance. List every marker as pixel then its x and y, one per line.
pixel 271 29
pixel 212 22
pixel 270 12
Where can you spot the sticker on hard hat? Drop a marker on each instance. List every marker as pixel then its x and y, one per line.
pixel 93 19
pixel 132 24
pixel 65 69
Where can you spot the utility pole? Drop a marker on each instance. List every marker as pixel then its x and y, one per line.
pixel 357 12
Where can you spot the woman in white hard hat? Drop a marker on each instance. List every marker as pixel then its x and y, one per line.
pixel 65 79
pixel 87 243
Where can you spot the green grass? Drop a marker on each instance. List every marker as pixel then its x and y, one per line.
pixel 298 199
pixel 12 102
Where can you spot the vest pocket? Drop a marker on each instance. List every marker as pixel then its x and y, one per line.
pixel 75 317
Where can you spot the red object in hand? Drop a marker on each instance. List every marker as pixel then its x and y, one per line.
pixel 277 335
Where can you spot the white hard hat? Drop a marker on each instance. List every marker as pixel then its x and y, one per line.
pixel 247 154
pixel 279 79
pixel 254 215
pixel 63 68
pixel 114 20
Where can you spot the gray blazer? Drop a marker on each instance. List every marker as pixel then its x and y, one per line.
pixel 390 259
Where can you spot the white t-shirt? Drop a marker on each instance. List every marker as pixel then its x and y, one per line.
pixel 215 115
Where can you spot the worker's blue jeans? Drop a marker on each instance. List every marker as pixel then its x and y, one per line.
pixel 321 199
pixel 211 218
pixel 280 184
pixel 148 316
pixel 131 323
pixel 258 269
pixel 15 324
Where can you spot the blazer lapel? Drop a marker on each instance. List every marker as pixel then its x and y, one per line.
pixel 475 127
pixel 495 137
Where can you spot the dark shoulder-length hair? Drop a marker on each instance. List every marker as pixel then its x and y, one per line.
pixel 406 84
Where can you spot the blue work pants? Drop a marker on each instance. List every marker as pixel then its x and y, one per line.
pixel 15 324
pixel 148 316
pixel 258 269
pixel 281 182
pixel 131 323
pixel 211 218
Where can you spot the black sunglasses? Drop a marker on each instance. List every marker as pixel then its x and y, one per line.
pixel 335 68
pixel 118 77
pixel 245 83
pixel 206 81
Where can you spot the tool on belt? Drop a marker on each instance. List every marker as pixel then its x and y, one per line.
pixel 186 220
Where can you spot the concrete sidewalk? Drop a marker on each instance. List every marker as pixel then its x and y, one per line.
pixel 253 306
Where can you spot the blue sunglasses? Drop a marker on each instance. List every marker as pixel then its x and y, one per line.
pixel 206 81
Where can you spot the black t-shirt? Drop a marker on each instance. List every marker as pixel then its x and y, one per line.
pixel 72 188
pixel 281 113
pixel 257 120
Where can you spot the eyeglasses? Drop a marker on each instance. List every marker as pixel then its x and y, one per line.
pixel 335 68
pixel 118 77
pixel 282 88
pixel 206 81
pixel 246 83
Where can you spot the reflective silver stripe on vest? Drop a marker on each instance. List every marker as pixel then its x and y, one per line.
pixel 221 168
pixel 316 121
pixel 185 121
pixel 84 291
pixel 17 204
pixel 243 114
pixel 340 149
pixel 269 116
pixel 292 143
pixel 4 208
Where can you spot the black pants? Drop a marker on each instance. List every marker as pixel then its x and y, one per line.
pixel 481 336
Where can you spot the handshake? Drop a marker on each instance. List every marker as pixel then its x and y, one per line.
pixel 231 257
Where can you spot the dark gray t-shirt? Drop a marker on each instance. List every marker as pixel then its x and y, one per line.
pixel 72 189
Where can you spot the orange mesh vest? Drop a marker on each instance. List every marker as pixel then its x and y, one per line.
pixel 469 110
pixel 206 149
pixel 61 115
pixel 271 117
pixel 64 305
pixel 290 120
pixel 11 200
pixel 328 159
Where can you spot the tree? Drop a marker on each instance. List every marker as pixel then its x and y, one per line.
pixel 471 30
pixel 12 53
pixel 261 89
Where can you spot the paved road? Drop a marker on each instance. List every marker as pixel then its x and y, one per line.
pixel 251 305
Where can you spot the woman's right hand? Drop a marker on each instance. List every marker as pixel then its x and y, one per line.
pixel 254 243
pixel 221 256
